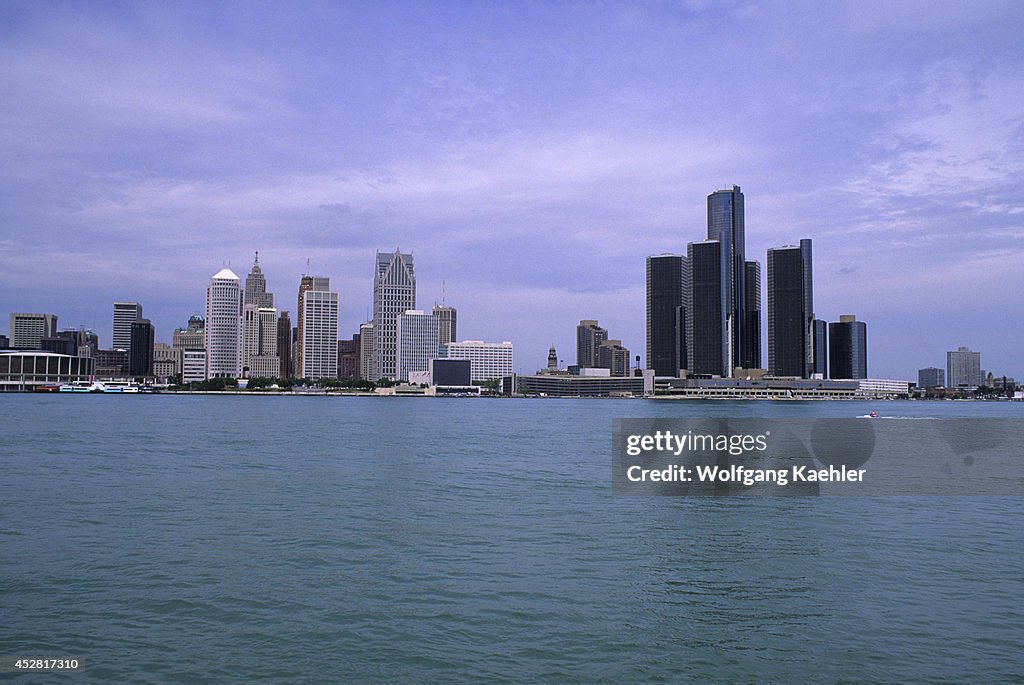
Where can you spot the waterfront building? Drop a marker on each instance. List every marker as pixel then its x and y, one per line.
pixel 260 339
pixel 820 344
pixel 319 337
pixel 790 311
pixel 284 345
pixel 125 314
pixel 848 348
pixel 447 319
pixel 112 363
pixel 394 292
pixel 223 326
pixel 552 360
pixel 306 283
pixel 417 342
pixel 751 343
pixel 58 344
pixel 707 325
pixel 256 287
pixel 366 359
pixel 166 361
pixel 613 356
pixel 489 361
pixel 557 385
pixel 666 314
pixel 931 377
pixel 22 371
pixel 140 352
pixel 963 369
pixel 589 336
pixel 28 330
pixel 193 365
pixel 348 358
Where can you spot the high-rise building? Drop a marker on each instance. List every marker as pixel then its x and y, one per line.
pixel 417 342
pixel 963 369
pixel 446 320
pixel 790 311
pixel 848 348
pixel 166 361
pixel 666 314
pixel 589 336
pixel 707 327
pixel 112 363
pixel 305 284
pixel 488 361
pixel 140 354
pixel 394 292
pixel 820 349
pixel 223 326
pixel 256 287
pixel 28 330
pixel 931 378
pixel 319 335
pixel 260 342
pixel 124 314
pixel 613 356
pixel 284 345
pixel 751 344
pixel 366 360
pixel 726 225
pixel 348 358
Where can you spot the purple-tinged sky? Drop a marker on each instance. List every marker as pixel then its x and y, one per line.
pixel 529 154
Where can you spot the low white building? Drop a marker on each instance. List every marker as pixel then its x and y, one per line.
pixel 193 366
pixel 488 361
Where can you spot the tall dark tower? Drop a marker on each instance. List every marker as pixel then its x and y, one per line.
pixel 726 225
pixel 666 314
pixel 750 350
pixel 791 311
pixel 848 348
pixel 707 332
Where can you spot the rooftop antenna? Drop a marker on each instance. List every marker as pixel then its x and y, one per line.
pixel 257 256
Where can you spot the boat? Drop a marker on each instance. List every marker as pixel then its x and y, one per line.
pixel 82 386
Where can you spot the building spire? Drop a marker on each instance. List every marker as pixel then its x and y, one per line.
pixel 257 257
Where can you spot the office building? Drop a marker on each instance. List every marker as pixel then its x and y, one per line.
pixel 112 363
pixel 348 358
pixel 193 365
pixel 848 348
pixel 306 283
pixel 84 342
pixel 140 352
pixel 28 330
pixel 5 342
pixel 166 362
pixel 223 326
pixel 931 378
pixel 751 344
pixel 58 344
pixel 589 336
pixel 666 314
pixel 260 340
pixel 366 360
pixel 963 369
pixel 284 346
pixel 446 324
pixel 125 313
pixel 256 287
pixel 820 344
pixel 319 335
pixel 394 292
pixel 417 342
pixel 707 326
pixel 613 356
pixel 790 311
pixel 489 361
pixel 192 337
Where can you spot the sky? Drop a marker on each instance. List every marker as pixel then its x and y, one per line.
pixel 530 156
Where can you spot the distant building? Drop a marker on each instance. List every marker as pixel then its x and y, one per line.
pixel 751 342
pixel 28 330
pixel 306 283
pixel 348 358
pixel 931 378
pixel 820 369
pixel 59 344
pixel 125 313
pixel 613 356
pixel 256 287
pixel 193 366
pixel 394 292
pixel 790 311
pixel 490 361
pixel 451 372
pixel 417 342
pixel 22 371
pixel 259 352
pixel 848 348
pixel 5 342
pixel 552 360
pixel 589 336
pixel 963 369
pixel 140 353
pixel 707 330
pixel 666 314
pixel 192 337
pixel 112 363
pixel 166 361
pixel 284 345
pixel 554 385
pixel 319 337
pixel 447 319
pixel 223 326
pixel 367 368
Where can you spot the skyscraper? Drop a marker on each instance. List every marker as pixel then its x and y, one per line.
pixel 319 336
pixel 284 345
pixel 140 356
pixel 589 336
pixel 305 284
pixel 256 287
pixel 848 348
pixel 417 342
pixel 446 324
pixel 751 345
pixel 707 327
pixel 666 314
pixel 224 326
pixel 963 369
pixel 28 330
pixel 820 349
pixel 394 292
pixel 124 314
pixel 931 378
pixel 790 311
pixel 366 362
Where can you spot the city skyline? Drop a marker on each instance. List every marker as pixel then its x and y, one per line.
pixel 528 161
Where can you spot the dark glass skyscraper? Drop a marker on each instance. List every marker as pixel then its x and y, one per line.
pixel 140 358
pixel 750 349
pixel 666 319
pixel 790 311
pixel 707 330
pixel 848 348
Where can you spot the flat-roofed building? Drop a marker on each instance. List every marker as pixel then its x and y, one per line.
pixel 490 361
pixel 22 371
